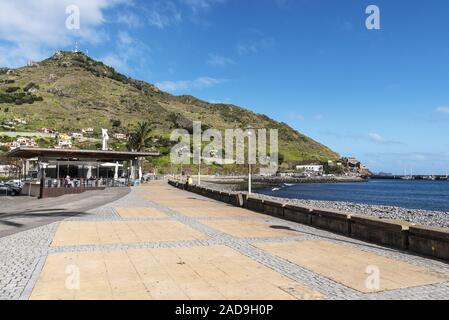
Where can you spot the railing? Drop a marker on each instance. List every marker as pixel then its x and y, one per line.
pixel 85 183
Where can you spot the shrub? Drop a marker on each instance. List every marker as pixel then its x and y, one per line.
pixel 12 89
pixel 116 123
pixel 30 86
pixel 19 98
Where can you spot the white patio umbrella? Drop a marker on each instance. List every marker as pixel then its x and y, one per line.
pixel 89 172
pixel 116 166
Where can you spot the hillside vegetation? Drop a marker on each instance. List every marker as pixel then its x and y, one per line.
pixel 70 91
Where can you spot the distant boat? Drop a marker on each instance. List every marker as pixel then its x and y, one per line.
pixel 406 177
pixel 275 189
pixel 288 184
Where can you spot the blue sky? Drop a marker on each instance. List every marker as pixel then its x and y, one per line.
pixel 379 95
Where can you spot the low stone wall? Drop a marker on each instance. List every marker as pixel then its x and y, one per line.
pixel 380 231
pixel 273 208
pixel 332 221
pixel 57 192
pixel 255 204
pixel 426 241
pixel 298 214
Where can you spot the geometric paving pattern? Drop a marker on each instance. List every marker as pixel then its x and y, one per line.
pixel 349 266
pixel 159 242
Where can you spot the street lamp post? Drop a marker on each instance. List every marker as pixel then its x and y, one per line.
pixel 180 153
pixel 249 161
pixel 199 172
pixel 199 165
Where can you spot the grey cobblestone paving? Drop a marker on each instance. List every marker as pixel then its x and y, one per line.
pixel 21 255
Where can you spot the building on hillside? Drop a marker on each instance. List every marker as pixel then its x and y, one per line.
pixel 88 130
pixel 331 164
pixel 48 131
pixel 311 168
pixel 10 145
pixel 119 136
pixel 63 143
pixel 288 173
pixel 63 136
pixel 353 165
pixel 76 135
pixel 26 142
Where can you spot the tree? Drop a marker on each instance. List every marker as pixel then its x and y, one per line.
pixel 140 138
pixel 116 123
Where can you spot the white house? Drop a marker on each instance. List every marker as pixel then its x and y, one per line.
pixel 311 168
pixel 28 142
pixel 76 135
pixel 65 143
pixel 120 136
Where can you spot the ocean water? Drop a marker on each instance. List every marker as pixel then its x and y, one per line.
pixel 412 194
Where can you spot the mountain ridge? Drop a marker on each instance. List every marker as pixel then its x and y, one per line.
pixel 71 91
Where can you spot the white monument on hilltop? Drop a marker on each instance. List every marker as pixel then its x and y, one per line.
pixel 104 133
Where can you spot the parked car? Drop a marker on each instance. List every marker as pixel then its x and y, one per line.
pixel 8 190
pixel 15 183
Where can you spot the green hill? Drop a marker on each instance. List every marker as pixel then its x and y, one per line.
pixel 71 91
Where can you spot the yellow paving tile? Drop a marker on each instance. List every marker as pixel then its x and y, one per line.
pixel 214 211
pixel 352 267
pixel 109 232
pixel 140 213
pixel 250 229
pixel 188 203
pixel 168 274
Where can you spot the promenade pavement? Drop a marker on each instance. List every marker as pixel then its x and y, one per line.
pixel 159 242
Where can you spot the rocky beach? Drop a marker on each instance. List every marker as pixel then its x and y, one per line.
pixel 416 216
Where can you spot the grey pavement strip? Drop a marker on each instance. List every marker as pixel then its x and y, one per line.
pixel 20 255
pixel 26 293
pixel 23 255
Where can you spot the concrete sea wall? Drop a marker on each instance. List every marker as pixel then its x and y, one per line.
pixel 421 240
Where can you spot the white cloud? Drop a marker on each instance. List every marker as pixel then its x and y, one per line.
pixel 378 138
pixel 29 29
pixel 297 116
pixel 117 62
pixel 254 46
pixel 127 49
pixel 163 14
pixel 129 19
pixel 442 109
pixel 219 61
pixel 197 5
pixel 187 85
pixel 124 38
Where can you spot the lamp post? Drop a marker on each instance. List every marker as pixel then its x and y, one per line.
pixel 249 159
pixel 199 165
pixel 180 154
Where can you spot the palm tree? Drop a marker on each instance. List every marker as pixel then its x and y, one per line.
pixel 140 138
